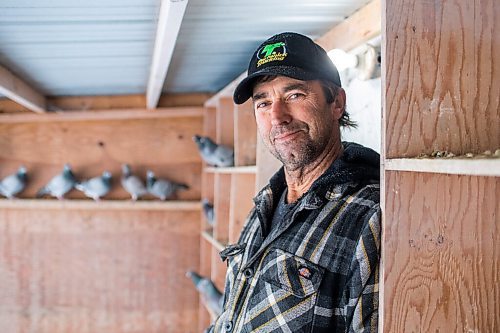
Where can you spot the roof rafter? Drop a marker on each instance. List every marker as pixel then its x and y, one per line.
pixel 20 92
pixel 169 23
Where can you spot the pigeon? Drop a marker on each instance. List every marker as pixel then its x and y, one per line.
pixel 208 210
pixel 209 292
pixel 96 187
pixel 162 188
pixel 132 184
pixel 214 154
pixel 59 185
pixel 13 184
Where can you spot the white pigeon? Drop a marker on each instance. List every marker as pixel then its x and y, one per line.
pixel 96 187
pixel 132 184
pixel 60 184
pixel 13 184
pixel 214 154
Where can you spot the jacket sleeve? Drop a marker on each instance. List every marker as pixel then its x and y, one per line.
pixel 361 298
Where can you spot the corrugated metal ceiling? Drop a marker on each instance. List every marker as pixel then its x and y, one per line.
pixel 104 47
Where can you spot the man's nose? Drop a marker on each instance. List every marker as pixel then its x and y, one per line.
pixel 280 113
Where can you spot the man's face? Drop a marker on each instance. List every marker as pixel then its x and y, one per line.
pixel 294 119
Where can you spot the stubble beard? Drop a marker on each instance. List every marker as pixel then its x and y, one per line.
pixel 296 154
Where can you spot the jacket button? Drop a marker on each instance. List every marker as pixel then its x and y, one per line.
pixel 228 326
pixel 248 273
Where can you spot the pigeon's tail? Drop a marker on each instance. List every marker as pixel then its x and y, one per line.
pixel 183 186
pixel 41 192
pixel 79 186
pixel 195 277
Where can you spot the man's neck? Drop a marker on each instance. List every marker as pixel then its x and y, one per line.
pixel 299 181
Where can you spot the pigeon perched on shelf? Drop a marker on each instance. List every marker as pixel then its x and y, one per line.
pixel 162 188
pixel 60 184
pixel 132 184
pixel 13 184
pixel 96 187
pixel 208 211
pixel 214 154
pixel 209 292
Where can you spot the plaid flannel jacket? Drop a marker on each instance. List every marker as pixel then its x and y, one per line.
pixel 317 272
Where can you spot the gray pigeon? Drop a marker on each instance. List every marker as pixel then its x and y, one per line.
pixel 96 187
pixel 59 185
pixel 214 154
pixel 162 188
pixel 14 184
pixel 209 292
pixel 132 184
pixel 208 211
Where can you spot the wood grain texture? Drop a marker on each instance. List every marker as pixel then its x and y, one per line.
pixel 162 145
pixel 87 103
pixel 242 193
pixel 245 135
pixel 98 272
pixel 358 28
pixel 225 122
pixel 267 165
pixel 209 123
pixel 442 236
pixel 205 270
pixel 442 74
pixel 222 202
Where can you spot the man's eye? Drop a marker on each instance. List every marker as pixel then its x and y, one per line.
pixel 294 96
pixel 261 105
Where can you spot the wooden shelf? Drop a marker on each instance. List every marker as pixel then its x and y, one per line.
pixel 456 166
pixel 252 169
pixel 54 204
pixel 208 235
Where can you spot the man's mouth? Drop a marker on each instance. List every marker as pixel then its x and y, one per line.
pixel 286 136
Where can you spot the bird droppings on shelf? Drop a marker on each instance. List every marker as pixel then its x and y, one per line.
pixel 444 154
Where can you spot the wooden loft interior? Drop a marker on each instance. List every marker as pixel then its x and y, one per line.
pixel 80 266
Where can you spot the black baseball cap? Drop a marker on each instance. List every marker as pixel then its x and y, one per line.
pixel 287 54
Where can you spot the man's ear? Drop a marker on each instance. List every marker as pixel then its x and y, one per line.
pixel 338 104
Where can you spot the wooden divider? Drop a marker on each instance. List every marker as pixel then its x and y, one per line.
pixel 242 192
pixel 245 134
pixel 222 204
pixel 441 234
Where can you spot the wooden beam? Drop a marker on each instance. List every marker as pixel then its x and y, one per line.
pixel 124 114
pixel 360 27
pixel 169 23
pixel 19 91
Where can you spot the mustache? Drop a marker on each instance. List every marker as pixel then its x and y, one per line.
pixel 288 128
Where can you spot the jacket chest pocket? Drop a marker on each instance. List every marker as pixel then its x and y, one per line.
pixel 284 294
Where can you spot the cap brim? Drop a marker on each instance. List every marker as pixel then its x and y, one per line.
pixel 244 90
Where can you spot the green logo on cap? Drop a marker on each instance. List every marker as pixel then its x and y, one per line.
pixel 271 52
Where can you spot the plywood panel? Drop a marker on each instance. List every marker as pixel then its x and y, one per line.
pixel 441 83
pixel 442 236
pixel 209 123
pixel 242 193
pixel 162 145
pixel 81 271
pixel 221 206
pixel 267 165
pixel 205 270
pixel 245 135
pixel 225 122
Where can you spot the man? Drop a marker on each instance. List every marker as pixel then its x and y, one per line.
pixel 307 259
